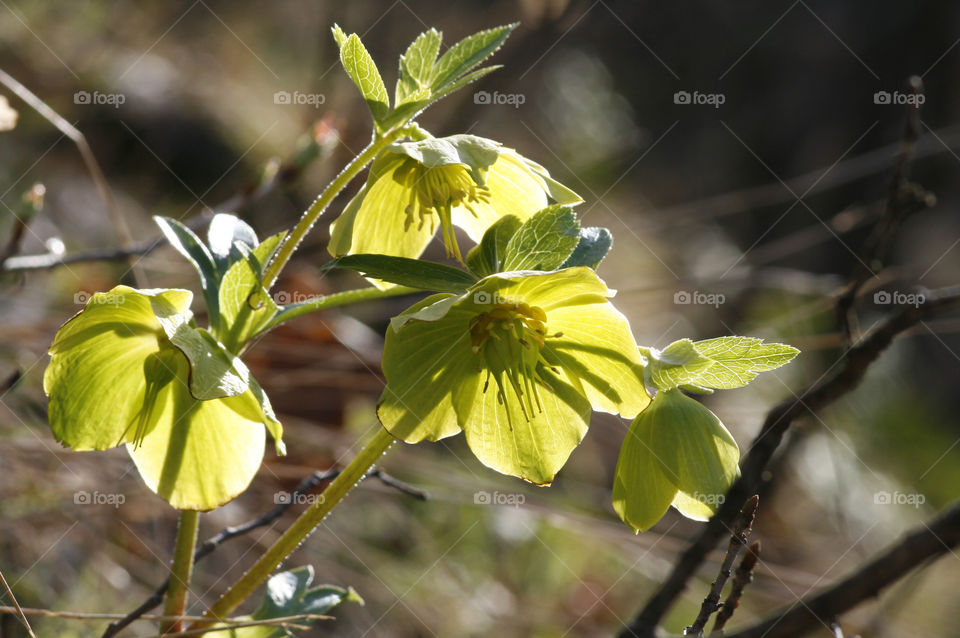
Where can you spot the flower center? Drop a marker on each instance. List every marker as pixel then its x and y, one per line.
pixel 437 190
pixel 509 339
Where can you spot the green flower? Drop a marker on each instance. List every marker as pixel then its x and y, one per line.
pixel 132 368
pixel 517 362
pixel 677 452
pixel 463 180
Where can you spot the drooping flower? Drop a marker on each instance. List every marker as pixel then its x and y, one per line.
pixel 131 368
pixel 676 452
pixel 517 362
pixel 415 187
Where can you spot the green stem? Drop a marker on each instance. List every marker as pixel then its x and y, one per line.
pixel 320 204
pixel 300 530
pixel 180 572
pixel 331 301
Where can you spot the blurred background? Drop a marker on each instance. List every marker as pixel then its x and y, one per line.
pixel 740 154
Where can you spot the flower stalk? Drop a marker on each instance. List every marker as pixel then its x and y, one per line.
pixel 182 569
pixel 299 530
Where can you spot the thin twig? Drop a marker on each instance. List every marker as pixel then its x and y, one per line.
pixel 924 544
pixel 853 366
pixel 316 146
pixel 16 606
pixel 903 199
pixel 741 578
pixel 738 539
pixel 96 617
pixel 68 129
pixel 208 546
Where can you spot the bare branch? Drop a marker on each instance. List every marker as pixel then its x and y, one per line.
pixel 738 539
pixel 208 546
pixel 313 147
pixel 924 544
pixel 68 129
pixel 16 606
pixel 741 578
pixel 853 367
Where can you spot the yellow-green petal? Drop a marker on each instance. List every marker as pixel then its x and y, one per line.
pixel 101 362
pixel 200 454
pixel 598 347
pixel 424 362
pixel 642 492
pixel 548 290
pixel 512 189
pixel 376 220
pixel 532 446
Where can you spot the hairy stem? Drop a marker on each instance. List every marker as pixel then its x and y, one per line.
pixel 300 530
pixel 320 204
pixel 331 301
pixel 176 603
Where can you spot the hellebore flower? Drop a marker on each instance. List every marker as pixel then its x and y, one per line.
pixel 677 452
pixel 462 180
pixel 132 368
pixel 517 362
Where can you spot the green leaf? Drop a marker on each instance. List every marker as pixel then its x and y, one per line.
pixel 241 318
pixel 468 53
pixel 544 241
pixel 719 364
pixel 416 67
pixel 425 275
pixel 678 364
pixel 737 360
pixel 230 239
pixel 189 245
pixel 288 595
pixel 214 372
pixel 484 258
pixel 593 246
pixel 363 71
pixel 469 78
